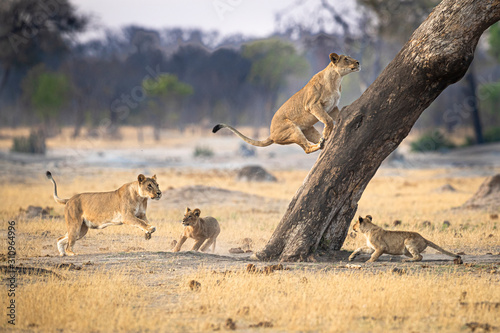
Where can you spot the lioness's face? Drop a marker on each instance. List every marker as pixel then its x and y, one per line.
pixel 148 187
pixel 345 64
pixel 190 217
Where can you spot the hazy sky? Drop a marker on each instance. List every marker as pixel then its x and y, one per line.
pixel 251 17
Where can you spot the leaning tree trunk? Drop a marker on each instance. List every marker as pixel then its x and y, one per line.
pixel 437 55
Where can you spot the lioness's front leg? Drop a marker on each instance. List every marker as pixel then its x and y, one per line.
pixel 325 118
pixel 151 228
pixel 141 224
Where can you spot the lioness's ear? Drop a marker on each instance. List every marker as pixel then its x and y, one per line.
pixel 154 177
pixel 369 217
pixel 334 57
pixel 141 178
pixel 197 212
pixel 187 210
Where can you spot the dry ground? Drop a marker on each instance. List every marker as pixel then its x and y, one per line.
pixel 121 282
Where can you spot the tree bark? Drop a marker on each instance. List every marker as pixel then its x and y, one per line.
pixel 437 55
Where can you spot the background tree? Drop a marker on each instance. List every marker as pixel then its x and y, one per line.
pixel 273 61
pixel 34 31
pixel 438 54
pixel 166 93
pixel 489 93
pixel 46 93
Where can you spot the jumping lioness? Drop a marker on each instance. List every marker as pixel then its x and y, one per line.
pixel 200 229
pixel 294 121
pixel 102 209
pixel 380 241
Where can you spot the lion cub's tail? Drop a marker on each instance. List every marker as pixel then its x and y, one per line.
pixel 56 198
pixel 264 143
pixel 434 246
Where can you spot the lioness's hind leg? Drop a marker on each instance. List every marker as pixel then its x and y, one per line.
pixel 412 248
pixel 83 231
pixel 61 245
pixel 299 138
pixel 312 134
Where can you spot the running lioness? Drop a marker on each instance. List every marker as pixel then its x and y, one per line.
pixel 380 241
pixel 317 101
pixel 102 209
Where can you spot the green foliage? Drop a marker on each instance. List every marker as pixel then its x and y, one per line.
pixel 46 92
pixel 203 151
pixel 494 40
pixel 431 141
pixel 492 134
pixel 166 85
pixel 34 144
pixel 272 61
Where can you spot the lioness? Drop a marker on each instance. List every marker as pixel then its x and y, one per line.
pixel 200 229
pixel 102 209
pixel 380 241
pixel 294 121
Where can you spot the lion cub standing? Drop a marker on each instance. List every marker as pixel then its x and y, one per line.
pixel 200 229
pixel 380 241
pixel 101 209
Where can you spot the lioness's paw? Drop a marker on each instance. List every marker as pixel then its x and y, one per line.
pixel 321 143
pixel 147 235
pixel 151 229
pixel 351 258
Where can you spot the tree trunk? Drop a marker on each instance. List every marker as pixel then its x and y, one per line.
pixel 437 55
pixel 476 119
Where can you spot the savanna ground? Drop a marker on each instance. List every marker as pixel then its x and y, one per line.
pixel 121 282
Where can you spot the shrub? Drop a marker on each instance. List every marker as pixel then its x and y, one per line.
pixel 33 144
pixel 431 141
pixel 203 151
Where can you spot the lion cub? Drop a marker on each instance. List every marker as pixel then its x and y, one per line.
pixel 380 241
pixel 101 209
pixel 200 229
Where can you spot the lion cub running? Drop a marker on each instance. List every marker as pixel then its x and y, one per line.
pixel 101 209
pixel 380 241
pixel 200 229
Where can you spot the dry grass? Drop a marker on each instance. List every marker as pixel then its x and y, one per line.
pixel 111 299
pixel 336 301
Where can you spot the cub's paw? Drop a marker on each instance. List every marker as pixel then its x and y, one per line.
pixel 147 235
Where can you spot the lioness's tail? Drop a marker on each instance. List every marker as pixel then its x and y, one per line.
pixel 257 143
pixel 434 246
pixel 56 198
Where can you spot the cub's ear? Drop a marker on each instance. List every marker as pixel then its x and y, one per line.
pixel 369 217
pixel 360 219
pixel 334 57
pixel 197 212
pixel 187 210
pixel 154 177
pixel 141 178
